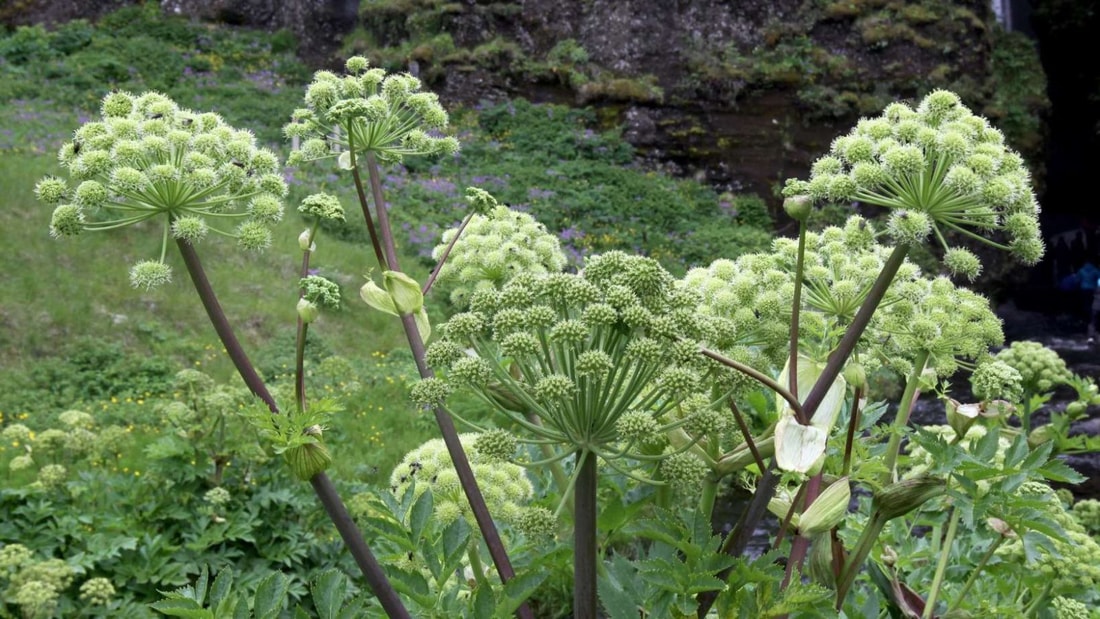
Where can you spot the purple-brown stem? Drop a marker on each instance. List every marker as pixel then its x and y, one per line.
pixel 585 601
pixel 388 251
pixel 446 253
pixel 322 485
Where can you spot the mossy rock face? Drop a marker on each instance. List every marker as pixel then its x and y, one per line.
pixel 785 73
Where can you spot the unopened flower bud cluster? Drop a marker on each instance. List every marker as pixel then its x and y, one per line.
pixel 493 248
pixel 505 485
pixel 1071 564
pixel 756 291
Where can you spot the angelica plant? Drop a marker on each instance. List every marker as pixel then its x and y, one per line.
pixel 363 119
pixel 146 159
pixel 600 366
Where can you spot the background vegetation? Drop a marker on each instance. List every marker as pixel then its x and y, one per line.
pixel 127 494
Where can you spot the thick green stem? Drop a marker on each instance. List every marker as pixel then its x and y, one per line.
pixel 863 548
pixel 902 416
pixel 855 330
pixel 796 306
pixel 585 605
pixel 941 567
pixel 300 342
pixel 322 486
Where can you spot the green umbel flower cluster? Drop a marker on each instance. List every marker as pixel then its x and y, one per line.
pixel 148 158
pixel 938 167
pixel 97 591
pixel 1040 368
pixel 367 110
pixel 1071 564
pixel 504 485
pixel 1087 512
pixel 1068 608
pixel 33 585
pixel 997 380
pixel 493 248
pixel 591 355
pixel 756 291
pixel 934 316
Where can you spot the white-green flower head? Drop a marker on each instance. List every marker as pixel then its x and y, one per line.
pixel 934 316
pixel 146 158
pixel 755 291
pixel 369 111
pixel 496 245
pixel 505 485
pixel 1040 368
pixel 946 168
pixel 592 355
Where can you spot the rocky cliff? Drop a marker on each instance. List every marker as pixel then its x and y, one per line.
pixel 742 92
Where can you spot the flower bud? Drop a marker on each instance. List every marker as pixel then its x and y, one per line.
pixel 961 416
pixel 904 496
pixel 377 298
pixel 1040 435
pixel 305 241
pixel 798 207
pixel 308 311
pixel 404 290
pixel 310 459
pixel 828 510
pixel 855 374
pixel 1001 527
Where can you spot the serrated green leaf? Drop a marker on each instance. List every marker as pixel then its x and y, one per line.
pixel 201 584
pixel 229 606
pixel 223 582
pixel 1016 452
pixel 619 604
pixel 270 596
pixel 413 585
pixel 328 593
pixel 518 589
pixel 986 449
pixel 485 602
pixel 455 538
pixel 612 515
pixel 420 515
pixel 240 610
pixel 1056 470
